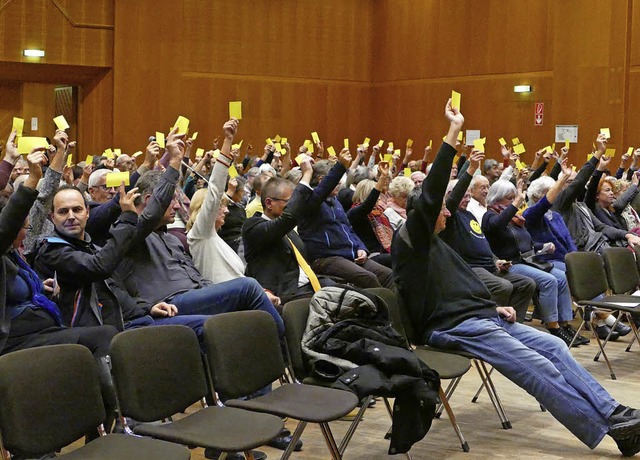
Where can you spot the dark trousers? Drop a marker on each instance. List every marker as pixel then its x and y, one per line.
pixel 509 289
pixel 370 274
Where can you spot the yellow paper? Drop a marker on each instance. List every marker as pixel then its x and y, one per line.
pixel 567 143
pixel 519 149
pixel 455 100
pixel 137 154
pixel 346 143
pixel 396 152
pixel 366 141
pixel 160 139
pixel 69 160
pixel 388 157
pixel 114 179
pixel 240 144
pixel 606 132
pixel 277 138
pixel 182 123
pixel 520 165
pixel 283 141
pixel 300 158
pixel 502 142
pixel 269 141
pixel 233 172
pixel 27 144
pixel 195 136
pixel 216 152
pixel 307 143
pixel 332 151
pixel 117 152
pixel 109 154
pixel 237 147
pixel 60 122
pixel 391 145
pixel 310 148
pixel 460 136
pixel 199 153
pixel 407 172
pixel 430 142
pixel 478 144
pixel 630 151
pixel 409 142
pixel 610 153
pixel 315 137
pixel 515 141
pixel 235 110
pixel 589 156
pixel 548 149
pixel 553 147
pixel 18 126
pixel 89 159
pixel 381 143
pixel 276 144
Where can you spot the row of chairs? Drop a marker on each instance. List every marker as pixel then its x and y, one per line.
pixel 50 396
pixel 605 284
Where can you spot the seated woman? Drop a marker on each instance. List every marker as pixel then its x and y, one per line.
pixel 509 240
pixel 368 219
pixel 399 190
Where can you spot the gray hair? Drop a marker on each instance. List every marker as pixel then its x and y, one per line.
pixel 359 174
pixel 253 172
pixel 146 184
pixel 488 164
pixel 96 176
pixel 500 190
pixel 401 186
pixel 475 179
pixel 539 188
pixel 293 175
pixel 320 169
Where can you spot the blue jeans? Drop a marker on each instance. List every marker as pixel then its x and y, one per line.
pixel 542 365
pixel 235 295
pixel 555 298
pixel 195 322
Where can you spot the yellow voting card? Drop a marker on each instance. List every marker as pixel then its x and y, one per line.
pixel 388 157
pixel 117 152
pixel 407 172
pixel 630 151
pixel 460 136
pixel 515 141
pixel 606 132
pixel 233 172
pixel 109 154
pixel 548 149
pixel 235 110
pixel 366 142
pixel 519 149
pixel 137 154
pixel 114 179
pixel 89 159
pixel 315 137
pixel 610 153
pixel 331 150
pixel 430 142
pixel 60 122
pixel 396 152
pixel 502 142
pixel 277 138
pixel 409 142
pixel 283 140
pixel 199 153
pixel 182 123
pixel 18 126
pixel 160 139
pixel 269 141
pixel 300 158
pixel 380 142
pixel 346 143
pixel 27 144
pixel 195 136
pixel 567 143
pixel 69 161
pixel 478 144
pixel 455 100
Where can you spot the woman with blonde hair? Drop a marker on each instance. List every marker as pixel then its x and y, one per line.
pixel 399 190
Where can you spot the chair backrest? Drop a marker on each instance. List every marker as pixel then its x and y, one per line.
pixel 393 305
pixel 243 352
pixel 622 272
pixel 585 274
pixel 295 314
pixel 49 397
pixel 157 371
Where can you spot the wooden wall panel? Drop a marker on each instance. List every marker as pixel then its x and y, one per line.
pixel 633 134
pixel 95 115
pixel 11 97
pixel 296 66
pixel 634 50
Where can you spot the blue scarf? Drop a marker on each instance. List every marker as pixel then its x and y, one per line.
pixel 35 287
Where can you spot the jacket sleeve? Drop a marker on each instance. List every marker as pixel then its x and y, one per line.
pixel 555 171
pixel 535 214
pixel 458 192
pixel 492 221
pixel 13 215
pixel 5 173
pixel 592 190
pixel 627 197
pixel 569 195
pixel 325 187
pixel 361 211
pixel 203 226
pixel 538 172
pixel 39 214
pixel 77 267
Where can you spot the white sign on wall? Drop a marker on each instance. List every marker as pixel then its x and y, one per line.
pixel 564 132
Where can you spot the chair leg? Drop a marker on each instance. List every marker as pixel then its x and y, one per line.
pixel 294 440
pixel 475 397
pixel 249 455
pixel 493 395
pixel 606 341
pixel 604 353
pixel 452 419
pixel 635 330
pixel 331 442
pixel 453 384
pixel 354 425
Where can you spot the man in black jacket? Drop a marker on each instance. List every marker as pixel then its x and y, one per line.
pixel 451 309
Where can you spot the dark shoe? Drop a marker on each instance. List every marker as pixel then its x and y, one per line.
pixel 215 454
pixel 622 329
pixel 282 442
pixel 562 334
pixel 628 446
pixel 580 339
pixel 625 424
pixel 603 332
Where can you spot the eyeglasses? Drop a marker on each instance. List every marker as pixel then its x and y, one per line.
pixel 27 227
pixel 104 186
pixel 280 199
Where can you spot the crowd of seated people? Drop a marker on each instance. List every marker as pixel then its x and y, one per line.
pixel 188 238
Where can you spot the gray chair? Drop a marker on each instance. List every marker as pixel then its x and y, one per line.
pixel 158 372
pixel 587 281
pixel 244 355
pixel 50 396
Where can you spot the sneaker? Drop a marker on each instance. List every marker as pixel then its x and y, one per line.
pixel 628 446
pixel 603 332
pixel 562 334
pixel 625 424
pixel 580 339
pixel 622 329
pixel 282 442
pixel 215 454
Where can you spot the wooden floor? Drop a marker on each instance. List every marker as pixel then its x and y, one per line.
pixel 535 434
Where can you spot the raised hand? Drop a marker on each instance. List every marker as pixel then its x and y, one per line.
pixel 11 149
pixel 475 160
pixel 36 160
pixel 176 148
pixel 344 158
pixel 127 198
pixel 230 128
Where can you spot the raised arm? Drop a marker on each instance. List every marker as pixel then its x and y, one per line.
pixel 458 192
pixel 592 188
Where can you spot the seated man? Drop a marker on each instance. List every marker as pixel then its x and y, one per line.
pixel 268 238
pixel 451 309
pixel 479 189
pixel 333 246
pixel 464 235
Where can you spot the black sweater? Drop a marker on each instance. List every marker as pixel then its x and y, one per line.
pixel 452 292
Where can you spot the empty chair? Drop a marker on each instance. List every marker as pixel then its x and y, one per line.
pixel 50 397
pixel 244 355
pixel 158 372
